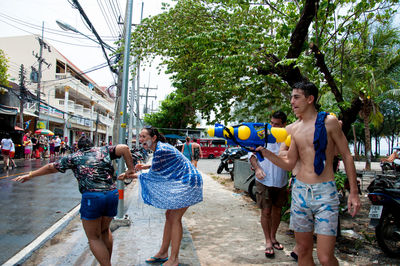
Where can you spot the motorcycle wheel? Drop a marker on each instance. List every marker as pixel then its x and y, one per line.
pixel 232 175
pixel 252 190
pixel 388 234
pixel 220 168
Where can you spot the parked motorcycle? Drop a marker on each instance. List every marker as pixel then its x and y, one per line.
pixel 391 166
pixel 227 159
pixel 384 195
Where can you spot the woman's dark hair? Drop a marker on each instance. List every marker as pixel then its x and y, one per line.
pixel 154 132
pixel 187 139
pixel 84 143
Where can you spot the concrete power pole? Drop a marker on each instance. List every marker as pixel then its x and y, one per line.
pixel 145 111
pixel 40 60
pixel 124 92
pixel 22 95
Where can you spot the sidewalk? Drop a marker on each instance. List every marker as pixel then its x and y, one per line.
pixel 225 228
pixel 132 244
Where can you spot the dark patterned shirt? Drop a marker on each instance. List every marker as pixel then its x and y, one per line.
pixel 92 168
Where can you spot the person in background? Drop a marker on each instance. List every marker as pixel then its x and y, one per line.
pixel 93 169
pixel 196 151
pixel 35 142
pixel 28 147
pixel 57 145
pixel 12 154
pixel 271 194
pixel 6 144
pixel 173 184
pixel 41 146
pixel 62 148
pixel 187 149
pixel 52 149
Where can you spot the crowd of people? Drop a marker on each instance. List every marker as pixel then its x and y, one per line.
pixel 173 183
pixel 38 146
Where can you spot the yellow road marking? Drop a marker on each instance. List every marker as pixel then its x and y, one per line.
pixel 2 177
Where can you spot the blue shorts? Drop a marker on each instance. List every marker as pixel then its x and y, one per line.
pixel 97 204
pixel 314 207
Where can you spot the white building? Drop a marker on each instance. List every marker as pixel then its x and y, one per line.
pixel 72 103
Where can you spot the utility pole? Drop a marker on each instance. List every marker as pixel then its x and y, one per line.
pixel 39 78
pixel 40 60
pixel 124 92
pixel 134 98
pixel 22 95
pixel 145 110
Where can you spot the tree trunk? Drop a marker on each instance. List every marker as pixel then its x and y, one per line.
pixel 356 155
pixel 366 111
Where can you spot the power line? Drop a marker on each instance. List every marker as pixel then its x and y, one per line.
pixel 50 30
pixel 83 14
pixel 75 44
pixel 105 15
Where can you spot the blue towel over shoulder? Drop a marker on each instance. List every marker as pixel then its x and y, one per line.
pixel 320 143
pixel 172 181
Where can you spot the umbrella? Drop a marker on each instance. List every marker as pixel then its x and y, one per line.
pixel 45 132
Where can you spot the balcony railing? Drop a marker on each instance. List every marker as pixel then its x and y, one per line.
pixel 84 90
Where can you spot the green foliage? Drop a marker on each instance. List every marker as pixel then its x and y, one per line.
pixel 227 57
pixel 174 113
pixel 340 179
pixel 3 69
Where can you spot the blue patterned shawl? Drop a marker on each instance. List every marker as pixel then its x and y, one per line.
pixel 172 181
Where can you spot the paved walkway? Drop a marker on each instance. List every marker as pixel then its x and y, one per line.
pixel 142 239
pixel 132 244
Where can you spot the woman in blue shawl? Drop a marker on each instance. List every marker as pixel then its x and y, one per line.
pixel 172 183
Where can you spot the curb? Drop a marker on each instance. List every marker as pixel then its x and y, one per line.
pixel 25 253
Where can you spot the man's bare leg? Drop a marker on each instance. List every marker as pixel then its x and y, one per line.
pixel 326 250
pixel 304 246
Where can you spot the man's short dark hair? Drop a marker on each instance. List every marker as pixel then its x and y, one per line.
pixel 309 88
pixel 280 115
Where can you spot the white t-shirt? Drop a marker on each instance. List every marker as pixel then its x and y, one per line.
pixel 275 176
pixel 57 143
pixel 6 144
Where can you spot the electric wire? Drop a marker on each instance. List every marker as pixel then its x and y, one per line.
pixel 117 14
pixel 51 30
pixel 31 33
pixel 106 18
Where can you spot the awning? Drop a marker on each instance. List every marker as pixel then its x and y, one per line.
pixel 174 136
pixel 8 110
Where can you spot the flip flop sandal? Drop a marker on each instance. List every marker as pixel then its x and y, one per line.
pixel 277 245
pixel 156 260
pixel 294 256
pixel 269 252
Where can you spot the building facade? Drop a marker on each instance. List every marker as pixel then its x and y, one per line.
pixel 70 102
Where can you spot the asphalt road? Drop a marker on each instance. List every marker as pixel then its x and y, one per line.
pixel 28 209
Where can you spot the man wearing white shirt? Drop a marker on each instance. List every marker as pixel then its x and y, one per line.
pixel 57 144
pixel 271 182
pixel 6 144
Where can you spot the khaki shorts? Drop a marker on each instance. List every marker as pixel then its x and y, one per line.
pixel 270 196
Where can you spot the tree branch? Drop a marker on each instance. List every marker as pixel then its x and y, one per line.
pixel 301 31
pixel 324 69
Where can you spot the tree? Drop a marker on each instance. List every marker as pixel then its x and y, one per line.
pixel 374 62
pixel 170 114
pixel 3 69
pixel 245 55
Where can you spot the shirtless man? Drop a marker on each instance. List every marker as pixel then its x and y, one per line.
pixel 315 203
